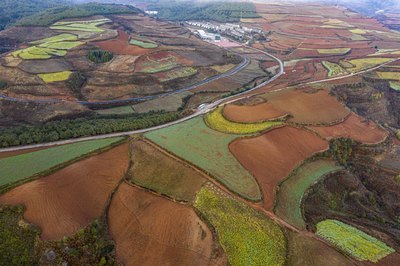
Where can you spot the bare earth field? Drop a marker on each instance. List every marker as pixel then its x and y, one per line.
pixel 70 199
pixel 273 155
pixel 150 230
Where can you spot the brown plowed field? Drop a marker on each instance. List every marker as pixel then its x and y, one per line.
pixel 308 108
pixel 355 128
pixel 252 114
pixel 150 230
pixel 273 155
pixel 67 200
pixel 121 46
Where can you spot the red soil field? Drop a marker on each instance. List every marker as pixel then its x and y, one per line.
pixel 272 156
pixel 70 199
pixel 151 230
pixel 121 45
pixel 252 113
pixel 355 128
pixel 308 108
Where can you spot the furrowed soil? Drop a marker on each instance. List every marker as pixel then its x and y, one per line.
pixel 252 114
pixel 70 199
pixel 150 230
pixel 308 107
pixel 273 155
pixel 354 127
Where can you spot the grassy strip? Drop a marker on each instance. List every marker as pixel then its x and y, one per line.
pixel 58 38
pixel 334 51
pixel 217 121
pixel 62 45
pixel 55 77
pixel 176 73
pixel 389 75
pixel 45 161
pixel 247 236
pixel 291 191
pixel 366 63
pixel 209 150
pixel 354 242
pixel 142 44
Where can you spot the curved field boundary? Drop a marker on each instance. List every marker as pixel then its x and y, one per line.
pixel 218 122
pixel 291 191
pixel 353 241
pixel 247 236
pixel 43 162
pixel 208 149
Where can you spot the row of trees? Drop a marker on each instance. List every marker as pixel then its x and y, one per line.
pixel 82 127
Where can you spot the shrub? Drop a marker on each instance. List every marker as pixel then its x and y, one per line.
pixel 100 56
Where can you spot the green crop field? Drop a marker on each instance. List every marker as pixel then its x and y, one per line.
pixel 217 121
pixel 154 66
pixel 335 51
pixel 366 63
pixel 17 168
pixel 58 38
pixel 389 75
pixel 147 45
pixel 180 72
pixel 55 77
pixel 333 69
pixel 208 149
pixel 86 26
pixel 247 236
pixel 395 85
pixel 291 191
pixel 352 241
pixel 64 45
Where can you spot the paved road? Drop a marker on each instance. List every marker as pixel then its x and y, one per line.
pixel 199 112
pixel 231 72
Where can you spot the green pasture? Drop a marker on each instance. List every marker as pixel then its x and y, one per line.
pixel 142 44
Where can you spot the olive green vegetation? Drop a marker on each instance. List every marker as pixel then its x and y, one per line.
pixel 395 85
pixel 341 150
pixel 20 243
pixel 99 56
pixel 58 38
pixel 55 77
pixel 352 241
pixel 333 69
pixel 397 179
pixel 34 163
pixel 62 45
pixel 3 84
pixel 167 176
pixel 208 149
pixel 217 11
pixel 50 16
pixel 247 236
pixel 398 135
pixel 147 45
pixel 17 239
pixel 291 191
pixel 116 110
pixel 89 246
pixel 13 10
pixel 82 127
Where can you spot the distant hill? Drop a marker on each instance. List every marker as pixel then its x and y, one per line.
pixel 13 10
pixel 370 7
pixel 50 16
pixel 217 11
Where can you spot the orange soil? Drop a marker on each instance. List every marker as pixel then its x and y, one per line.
pixel 251 114
pixel 308 108
pixel 354 127
pixel 273 155
pixel 70 199
pixel 150 230
pixel 121 45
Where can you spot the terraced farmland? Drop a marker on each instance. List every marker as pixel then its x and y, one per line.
pixel 247 236
pixel 334 69
pixel 291 191
pixel 86 26
pixel 33 163
pixel 334 51
pixel 389 75
pixel 218 122
pixel 142 44
pixel 207 149
pixel 360 64
pixel 354 242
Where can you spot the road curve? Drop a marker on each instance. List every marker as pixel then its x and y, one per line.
pixel 202 111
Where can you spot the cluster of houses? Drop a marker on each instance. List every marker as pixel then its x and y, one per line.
pixel 211 31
